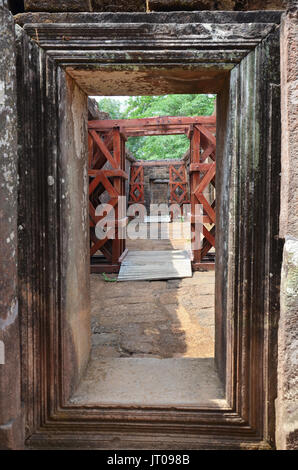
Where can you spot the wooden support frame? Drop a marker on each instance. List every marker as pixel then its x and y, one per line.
pixel 202 147
pixel 108 149
pixel 202 174
pixel 248 190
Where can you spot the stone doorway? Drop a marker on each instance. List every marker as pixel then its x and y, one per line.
pixel 238 71
pixel 152 341
pixel 159 190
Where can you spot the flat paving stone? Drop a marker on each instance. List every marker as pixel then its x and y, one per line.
pixel 151 381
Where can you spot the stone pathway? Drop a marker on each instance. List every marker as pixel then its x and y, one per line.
pixel 152 341
pixel 158 319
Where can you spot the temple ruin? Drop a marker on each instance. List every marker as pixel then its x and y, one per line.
pixel 158 343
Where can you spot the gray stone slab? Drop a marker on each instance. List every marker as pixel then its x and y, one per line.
pixel 151 381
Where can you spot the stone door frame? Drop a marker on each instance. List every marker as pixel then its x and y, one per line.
pixel 239 54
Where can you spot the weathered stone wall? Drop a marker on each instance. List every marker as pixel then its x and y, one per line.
pixel 10 403
pixel 156 175
pixel 93 111
pixel 249 112
pixel 156 172
pixel 289 93
pixel 52 140
pixel 151 5
pixel 75 217
pixel 224 180
pixel 287 401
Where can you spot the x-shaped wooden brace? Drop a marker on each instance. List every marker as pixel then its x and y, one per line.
pixel 137 183
pixel 102 151
pixel 178 180
pixel 177 174
pixel 101 177
pixel 208 143
pixel 174 195
pixel 133 196
pixel 207 178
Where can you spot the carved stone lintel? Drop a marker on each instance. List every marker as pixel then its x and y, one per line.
pixel 182 17
pixel 152 5
pixel 143 43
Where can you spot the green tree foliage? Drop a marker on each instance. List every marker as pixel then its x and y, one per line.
pixel 111 106
pixel 159 147
pixel 169 105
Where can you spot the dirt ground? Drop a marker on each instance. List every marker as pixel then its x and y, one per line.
pixel 162 319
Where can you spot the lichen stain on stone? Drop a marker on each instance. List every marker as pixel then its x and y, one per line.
pixel 11 315
pixel 291 276
pixel 85 211
pixel 78 122
pixel 291 248
pixel 2 92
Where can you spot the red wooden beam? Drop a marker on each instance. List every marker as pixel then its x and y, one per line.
pixel 131 124
pixel 109 173
pixel 162 130
pixel 158 162
pixel 156 130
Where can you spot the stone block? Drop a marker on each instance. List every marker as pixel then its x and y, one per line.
pixel 119 5
pixel 287 402
pixel 289 101
pixel 197 5
pixel 58 5
pixel 85 5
